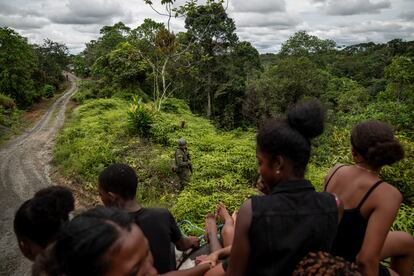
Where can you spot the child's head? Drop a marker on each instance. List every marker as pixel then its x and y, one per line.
pixel 118 182
pixel 374 141
pixel 100 241
pixel 283 145
pixel 40 218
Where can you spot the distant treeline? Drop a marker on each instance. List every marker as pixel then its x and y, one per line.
pixel 228 81
pixel 29 72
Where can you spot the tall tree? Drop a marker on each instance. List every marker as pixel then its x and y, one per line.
pixel 52 58
pixel 400 74
pixel 161 50
pixel 213 32
pixel 282 85
pixel 304 44
pixel 17 65
pixel 111 36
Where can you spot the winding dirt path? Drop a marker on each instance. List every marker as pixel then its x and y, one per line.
pixel 24 169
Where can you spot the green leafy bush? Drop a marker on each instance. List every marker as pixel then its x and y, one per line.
pixel 48 91
pixel 6 102
pixel 173 105
pixel 405 219
pixel 140 118
pixel 90 89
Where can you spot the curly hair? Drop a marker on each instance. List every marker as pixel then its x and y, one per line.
pixel 375 142
pixel 322 263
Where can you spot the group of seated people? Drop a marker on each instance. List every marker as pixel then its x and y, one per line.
pixel 289 229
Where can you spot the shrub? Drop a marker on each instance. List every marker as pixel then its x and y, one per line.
pixel 173 105
pixel 6 102
pixel 129 93
pixel 140 118
pixel 405 219
pixel 48 91
pixel 88 89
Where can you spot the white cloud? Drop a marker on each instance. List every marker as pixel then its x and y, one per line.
pixel 408 15
pixel 279 20
pixel 352 7
pixel 87 12
pixel 258 6
pixel 264 23
pixel 23 22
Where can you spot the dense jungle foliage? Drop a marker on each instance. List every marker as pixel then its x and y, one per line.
pixel 28 73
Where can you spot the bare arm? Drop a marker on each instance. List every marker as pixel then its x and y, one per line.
pixel 240 252
pixel 215 256
pixel 386 207
pixel 223 253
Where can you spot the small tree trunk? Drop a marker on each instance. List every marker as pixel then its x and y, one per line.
pixel 209 97
pixel 208 105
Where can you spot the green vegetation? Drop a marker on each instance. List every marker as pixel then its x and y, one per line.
pixel 9 115
pixel 28 73
pixel 25 69
pixel 97 135
pixel 149 86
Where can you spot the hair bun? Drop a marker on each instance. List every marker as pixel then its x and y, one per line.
pixel 385 153
pixel 307 118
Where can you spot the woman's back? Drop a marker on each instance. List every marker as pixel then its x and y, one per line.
pixel 362 193
pixel 287 224
pixel 371 205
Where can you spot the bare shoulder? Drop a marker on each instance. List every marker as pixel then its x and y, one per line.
pixel 388 191
pixel 332 171
pixel 386 197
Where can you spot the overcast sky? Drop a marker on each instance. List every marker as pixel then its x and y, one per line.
pixel 265 23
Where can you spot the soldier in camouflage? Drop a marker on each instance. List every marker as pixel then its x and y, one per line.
pixel 183 166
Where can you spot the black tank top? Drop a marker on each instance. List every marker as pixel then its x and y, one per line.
pixel 351 229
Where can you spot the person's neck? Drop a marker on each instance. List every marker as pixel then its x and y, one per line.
pixel 129 206
pixel 286 179
pixel 367 168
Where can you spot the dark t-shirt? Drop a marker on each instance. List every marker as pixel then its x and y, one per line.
pixel 161 230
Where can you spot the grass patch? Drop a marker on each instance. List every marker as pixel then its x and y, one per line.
pixel 97 134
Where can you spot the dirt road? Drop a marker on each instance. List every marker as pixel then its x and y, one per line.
pixel 24 169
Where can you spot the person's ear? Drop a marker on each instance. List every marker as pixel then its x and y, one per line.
pixel 26 249
pixel 278 164
pixel 356 156
pixel 113 197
